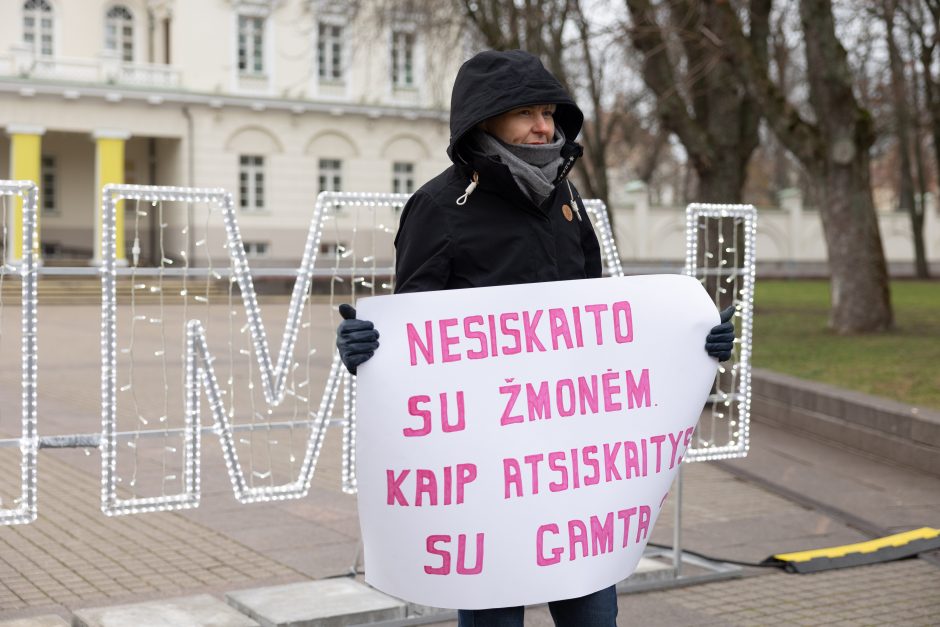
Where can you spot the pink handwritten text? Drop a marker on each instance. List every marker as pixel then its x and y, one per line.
pixel 509 333
pixel 572 469
pixel 416 408
pixel 438 545
pixel 611 391
pixel 424 485
pixel 579 538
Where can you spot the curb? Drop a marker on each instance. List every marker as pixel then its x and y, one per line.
pixel 900 433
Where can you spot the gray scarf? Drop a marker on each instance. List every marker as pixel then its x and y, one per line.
pixel 533 167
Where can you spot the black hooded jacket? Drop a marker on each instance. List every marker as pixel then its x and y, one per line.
pixel 499 236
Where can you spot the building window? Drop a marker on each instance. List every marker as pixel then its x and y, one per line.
pixel 256 249
pixel 332 248
pixel 250 44
pixel 403 178
pixel 403 57
pixel 331 175
pixel 47 193
pixel 119 32
pixel 330 51
pixel 37 26
pixel 251 182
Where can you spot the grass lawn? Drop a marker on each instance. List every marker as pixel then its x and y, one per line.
pixel 790 336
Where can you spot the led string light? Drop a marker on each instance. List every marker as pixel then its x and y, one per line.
pixel 612 267
pixel 200 372
pixel 129 351
pixel 302 388
pixel 605 234
pixel 4 242
pixel 701 438
pixel 373 286
pixel 184 249
pixel 732 425
pixel 350 484
pixel 738 396
pixel 189 497
pixel 199 362
pixel 24 510
pixel 162 353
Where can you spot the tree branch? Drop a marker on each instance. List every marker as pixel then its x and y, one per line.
pixel 799 136
pixel 647 37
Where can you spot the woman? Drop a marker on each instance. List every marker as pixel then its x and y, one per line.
pixel 503 213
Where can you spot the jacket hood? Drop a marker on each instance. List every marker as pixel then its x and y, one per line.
pixel 493 82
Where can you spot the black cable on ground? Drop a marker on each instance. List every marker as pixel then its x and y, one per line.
pixel 716 559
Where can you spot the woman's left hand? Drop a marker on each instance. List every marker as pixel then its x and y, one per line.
pixel 719 343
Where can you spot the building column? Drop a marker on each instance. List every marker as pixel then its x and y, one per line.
pixel 791 201
pixel 109 169
pixel 638 195
pixel 931 227
pixel 25 165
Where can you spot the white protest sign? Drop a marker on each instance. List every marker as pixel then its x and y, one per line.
pixel 516 443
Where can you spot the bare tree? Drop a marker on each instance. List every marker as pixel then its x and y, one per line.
pixel 704 105
pixel 921 121
pixel 834 149
pixel 923 25
pixel 902 131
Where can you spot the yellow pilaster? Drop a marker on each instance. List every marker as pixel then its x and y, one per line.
pixel 25 165
pixel 109 168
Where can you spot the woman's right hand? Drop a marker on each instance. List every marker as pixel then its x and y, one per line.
pixel 355 339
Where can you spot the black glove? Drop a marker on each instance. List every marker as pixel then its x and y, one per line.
pixel 355 339
pixel 720 340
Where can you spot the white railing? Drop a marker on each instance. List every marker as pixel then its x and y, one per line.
pixel 73 69
pixel 147 74
pixel 105 69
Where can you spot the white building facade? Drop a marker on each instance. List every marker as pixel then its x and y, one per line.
pixel 274 100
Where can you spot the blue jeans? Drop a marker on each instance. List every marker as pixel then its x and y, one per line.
pixel 594 610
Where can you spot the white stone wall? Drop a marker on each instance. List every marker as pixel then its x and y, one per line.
pixel 789 235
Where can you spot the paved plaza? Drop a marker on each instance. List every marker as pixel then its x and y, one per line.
pixel 75 557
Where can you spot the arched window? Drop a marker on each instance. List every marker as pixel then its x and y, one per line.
pixel 37 26
pixel 119 32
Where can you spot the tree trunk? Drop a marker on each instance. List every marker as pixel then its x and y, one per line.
pixel 858 273
pixel 931 83
pixel 834 150
pixel 859 290
pixel 902 118
pixel 723 181
pixel 781 62
pixel 917 127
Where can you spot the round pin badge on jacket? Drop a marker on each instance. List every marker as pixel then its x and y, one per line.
pixel 566 210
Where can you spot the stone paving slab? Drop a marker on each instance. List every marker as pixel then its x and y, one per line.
pixel 74 556
pixel 36 621
pixel 195 611
pixel 905 593
pixel 324 603
pixel 649 570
